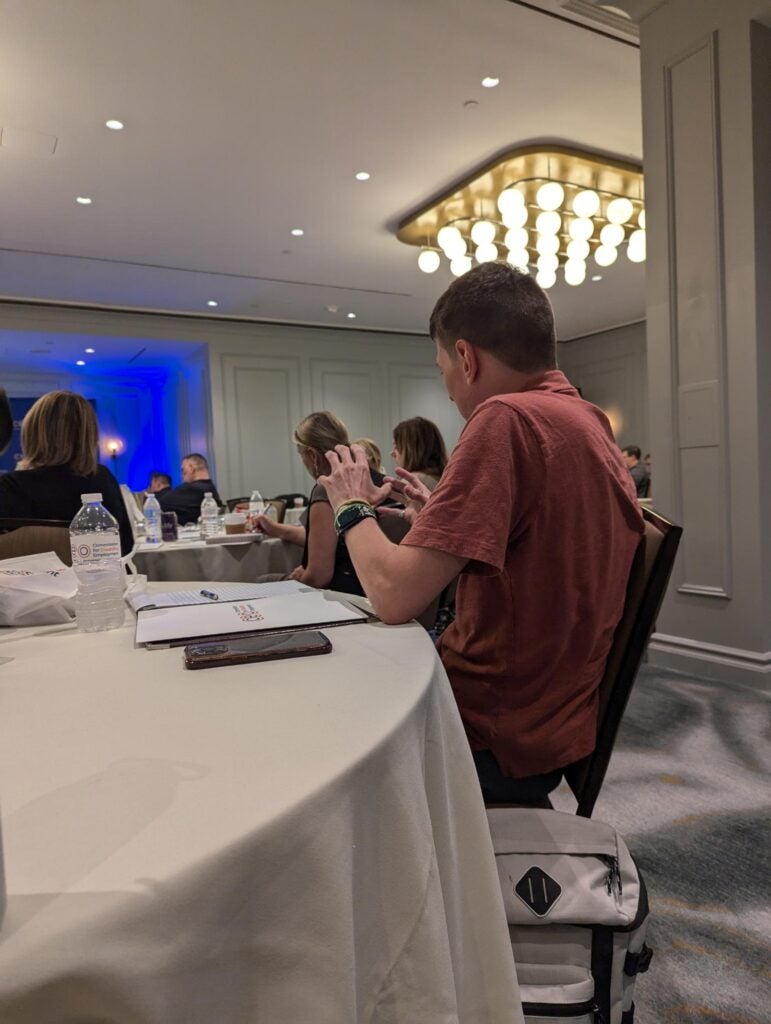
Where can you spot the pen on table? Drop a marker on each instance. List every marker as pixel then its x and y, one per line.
pixel 210 594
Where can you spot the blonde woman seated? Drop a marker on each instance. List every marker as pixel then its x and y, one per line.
pixel 325 563
pixel 419 449
pixel 373 453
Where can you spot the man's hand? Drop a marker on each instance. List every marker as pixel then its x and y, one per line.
pixel 349 477
pixel 410 486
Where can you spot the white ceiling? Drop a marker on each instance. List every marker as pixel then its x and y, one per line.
pixel 246 118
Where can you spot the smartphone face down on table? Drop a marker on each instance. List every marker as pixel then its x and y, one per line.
pixel 301 644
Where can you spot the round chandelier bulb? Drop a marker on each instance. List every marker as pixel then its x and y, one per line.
pixel 546 279
pixel 550 196
pixel 510 199
pixel 547 245
pixel 428 260
pixel 486 252
pixel 636 248
pixel 619 211
pixel 516 217
pixel 482 232
pixel 460 265
pixel 516 238
pixel 612 234
pixel 577 249
pixel 581 229
pixel 575 272
pixel 548 263
pixel 548 223
pixel 448 237
pixel 586 203
pixel 641 219
pixel 518 257
pixel 455 248
pixel 604 255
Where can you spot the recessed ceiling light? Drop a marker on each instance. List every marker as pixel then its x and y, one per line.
pixel 80 362
pixel 297 232
pixel 362 175
pixel 596 277
pixel 212 302
pixel 331 309
pixel 116 126
pixel 351 316
pixel 83 200
pixel 90 351
pixel 489 82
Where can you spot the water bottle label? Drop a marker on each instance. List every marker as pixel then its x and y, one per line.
pixel 86 550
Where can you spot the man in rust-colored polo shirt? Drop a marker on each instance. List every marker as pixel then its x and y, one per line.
pixel 536 511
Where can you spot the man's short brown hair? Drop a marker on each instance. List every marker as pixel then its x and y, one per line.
pixel 501 310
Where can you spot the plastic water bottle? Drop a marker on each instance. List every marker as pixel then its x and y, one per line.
pixel 152 514
pixel 210 516
pixel 95 543
pixel 256 504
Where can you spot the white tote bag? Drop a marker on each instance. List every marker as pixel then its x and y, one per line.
pixel 36 590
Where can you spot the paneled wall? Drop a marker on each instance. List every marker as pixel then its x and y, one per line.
pixel 265 379
pixel 706 80
pixel 240 396
pixel 610 368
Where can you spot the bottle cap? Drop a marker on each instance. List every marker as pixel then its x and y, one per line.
pixel 89 499
pixel 208 494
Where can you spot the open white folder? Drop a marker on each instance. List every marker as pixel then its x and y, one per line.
pixel 191 623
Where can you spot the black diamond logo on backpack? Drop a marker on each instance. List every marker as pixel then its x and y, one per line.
pixel 538 891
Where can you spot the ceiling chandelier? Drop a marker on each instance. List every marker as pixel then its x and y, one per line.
pixel 551 210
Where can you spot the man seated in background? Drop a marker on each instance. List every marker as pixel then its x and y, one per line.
pixel 186 499
pixel 158 482
pixel 637 469
pixel 536 512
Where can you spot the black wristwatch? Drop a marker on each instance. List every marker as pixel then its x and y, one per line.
pixel 351 515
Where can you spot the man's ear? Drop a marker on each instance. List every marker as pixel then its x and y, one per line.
pixel 469 358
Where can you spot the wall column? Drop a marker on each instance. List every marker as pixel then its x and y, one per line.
pixel 706 88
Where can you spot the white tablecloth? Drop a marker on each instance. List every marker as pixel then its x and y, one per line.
pixel 222 563
pixel 297 842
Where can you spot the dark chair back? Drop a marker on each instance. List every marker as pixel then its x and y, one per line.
pixel 289 499
pixel 232 502
pixel 648 579
pixel 32 537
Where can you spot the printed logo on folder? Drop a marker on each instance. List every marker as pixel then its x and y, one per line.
pixel 538 891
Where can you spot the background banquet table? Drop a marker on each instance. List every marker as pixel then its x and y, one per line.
pixel 299 842
pixel 187 560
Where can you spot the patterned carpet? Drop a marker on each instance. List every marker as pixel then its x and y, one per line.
pixel 688 788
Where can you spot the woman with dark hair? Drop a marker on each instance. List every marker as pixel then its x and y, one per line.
pixel 419 448
pixel 59 438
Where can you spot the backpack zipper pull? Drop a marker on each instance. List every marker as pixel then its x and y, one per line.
pixel 613 881
pixel 598 1017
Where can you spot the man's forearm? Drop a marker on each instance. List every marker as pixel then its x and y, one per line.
pixel 401 581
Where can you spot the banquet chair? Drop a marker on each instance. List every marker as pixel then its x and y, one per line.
pixel 289 499
pixel 232 502
pixel 648 579
pixel 32 537
pixel 646 586
pixel 277 505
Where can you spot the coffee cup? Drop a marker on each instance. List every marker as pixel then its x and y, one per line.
pixel 235 522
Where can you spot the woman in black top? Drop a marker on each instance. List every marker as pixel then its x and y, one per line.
pixel 59 437
pixel 326 563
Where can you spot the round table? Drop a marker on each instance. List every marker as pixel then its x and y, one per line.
pixel 298 841
pixel 224 563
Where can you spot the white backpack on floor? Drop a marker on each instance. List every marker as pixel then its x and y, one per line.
pixel 577 911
